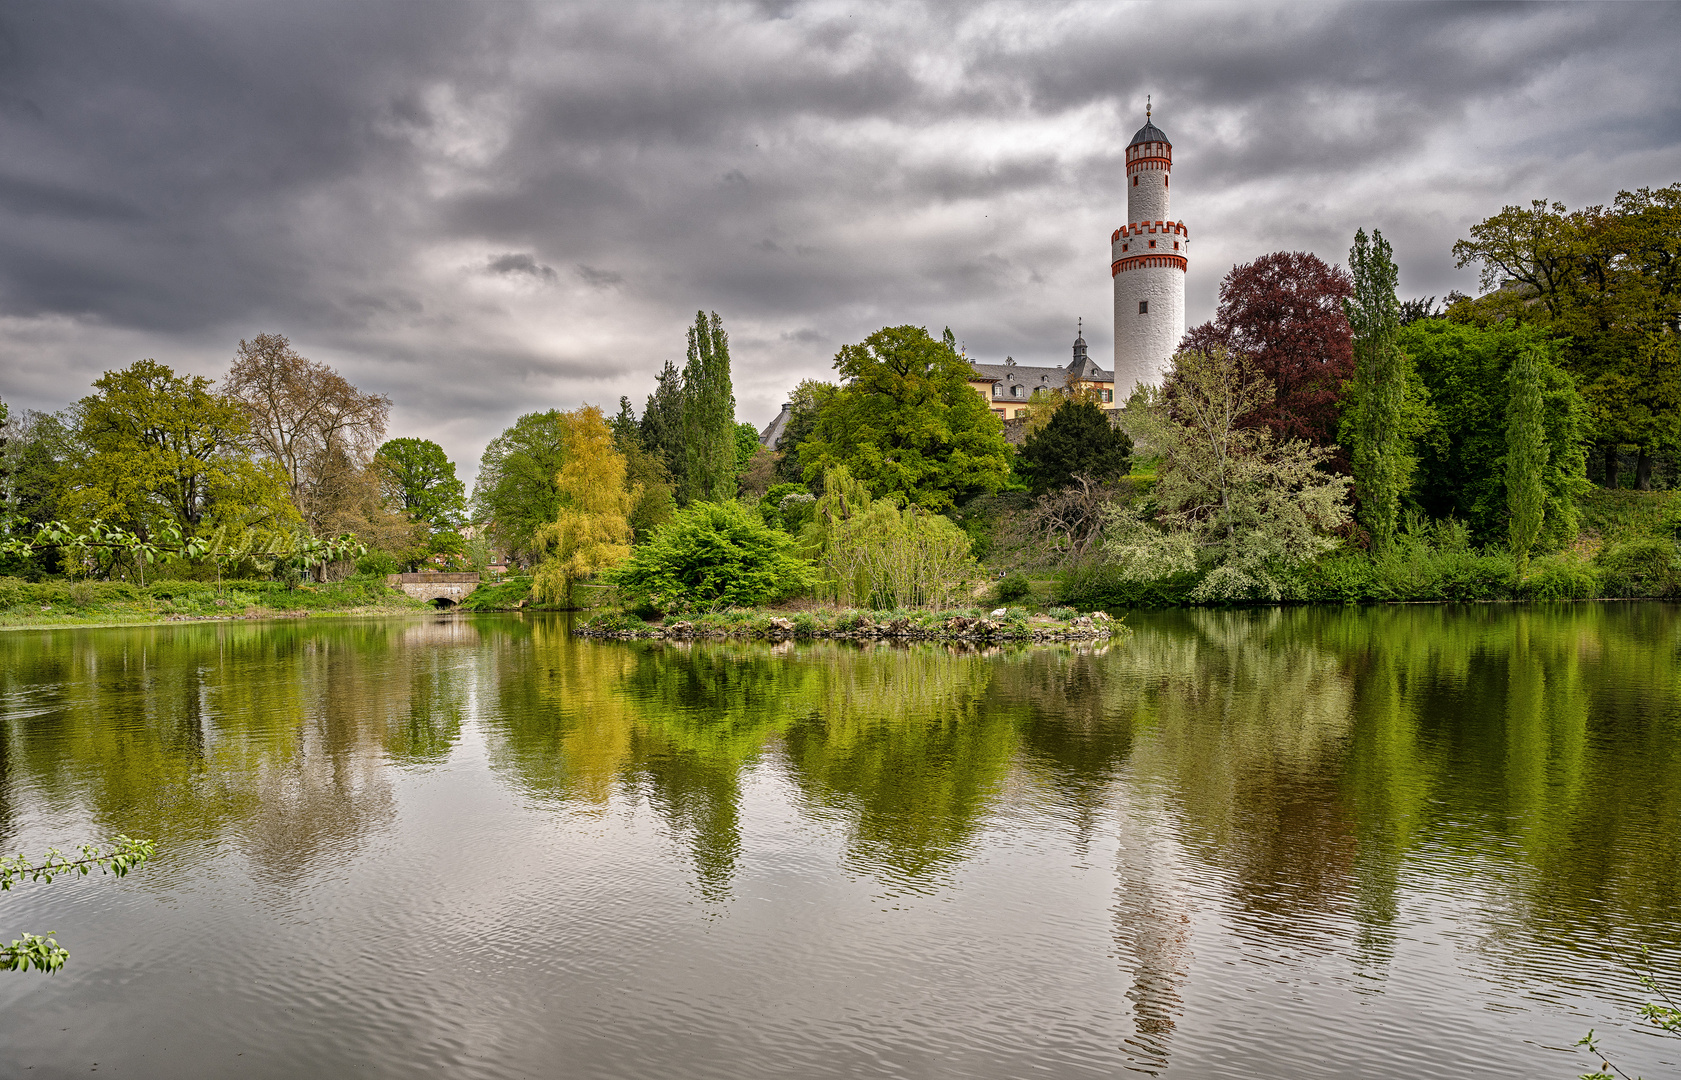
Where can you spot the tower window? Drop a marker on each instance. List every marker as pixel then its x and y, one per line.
pixel 1144 307
pixel 1152 243
pixel 1123 247
pixel 1135 181
pixel 1164 181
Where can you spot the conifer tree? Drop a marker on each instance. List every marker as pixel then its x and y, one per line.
pixel 1382 462
pixel 708 415
pixel 1077 439
pixel 662 423
pixel 1526 456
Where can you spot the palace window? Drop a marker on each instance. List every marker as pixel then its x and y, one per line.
pixel 1108 395
pixel 1144 307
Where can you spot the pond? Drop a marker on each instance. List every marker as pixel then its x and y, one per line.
pixel 1389 842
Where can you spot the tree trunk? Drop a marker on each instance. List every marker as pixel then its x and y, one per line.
pixel 1643 471
pixel 1611 468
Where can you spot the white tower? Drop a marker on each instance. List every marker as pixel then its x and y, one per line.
pixel 1147 261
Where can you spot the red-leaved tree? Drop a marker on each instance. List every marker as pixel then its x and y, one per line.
pixel 1285 311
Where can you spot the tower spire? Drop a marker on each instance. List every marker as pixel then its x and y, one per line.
pixel 1146 108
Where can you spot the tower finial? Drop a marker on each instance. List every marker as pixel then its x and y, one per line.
pixel 1146 108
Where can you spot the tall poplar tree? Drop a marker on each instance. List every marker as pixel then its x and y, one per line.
pixel 708 415
pixel 1382 459
pixel 1526 456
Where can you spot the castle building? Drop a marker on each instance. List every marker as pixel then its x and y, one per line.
pixel 1007 386
pixel 1148 260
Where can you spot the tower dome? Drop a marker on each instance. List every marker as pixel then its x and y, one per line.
pixel 1148 260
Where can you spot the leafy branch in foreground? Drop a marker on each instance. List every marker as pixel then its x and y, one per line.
pixel 41 951
pixel 1664 1014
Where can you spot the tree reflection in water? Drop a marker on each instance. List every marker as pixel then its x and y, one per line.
pixel 1281 778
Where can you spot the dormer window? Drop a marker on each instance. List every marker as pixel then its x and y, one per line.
pixel 997 390
pixel 1015 391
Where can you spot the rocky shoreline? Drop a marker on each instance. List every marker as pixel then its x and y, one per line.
pixel 1000 627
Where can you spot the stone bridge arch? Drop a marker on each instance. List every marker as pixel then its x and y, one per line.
pixel 438 588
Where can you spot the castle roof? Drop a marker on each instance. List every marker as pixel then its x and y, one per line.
pixel 776 428
pixel 1150 133
pixel 1036 378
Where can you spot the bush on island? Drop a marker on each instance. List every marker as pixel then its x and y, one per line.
pixel 711 555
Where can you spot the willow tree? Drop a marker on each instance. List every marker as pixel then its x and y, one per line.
pixel 708 415
pixel 1526 456
pixel 592 531
pixel 1383 463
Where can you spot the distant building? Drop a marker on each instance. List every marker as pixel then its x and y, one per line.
pixel 1007 386
pixel 773 431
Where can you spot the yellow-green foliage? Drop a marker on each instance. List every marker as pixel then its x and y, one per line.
pixel 592 531
pixel 875 552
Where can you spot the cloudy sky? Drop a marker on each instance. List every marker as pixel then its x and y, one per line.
pixel 484 209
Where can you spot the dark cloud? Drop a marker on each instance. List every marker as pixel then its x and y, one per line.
pixel 394 185
pixel 520 262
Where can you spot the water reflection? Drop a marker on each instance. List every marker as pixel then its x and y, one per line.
pixel 1286 793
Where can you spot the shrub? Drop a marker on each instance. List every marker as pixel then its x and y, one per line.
pixel 1013 587
pixel 1063 613
pixel 1643 566
pixel 1564 576
pixel 709 556
pixel 1093 586
pixel 378 563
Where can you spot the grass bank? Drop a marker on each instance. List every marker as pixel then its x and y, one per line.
pixel 113 603
pixel 971 625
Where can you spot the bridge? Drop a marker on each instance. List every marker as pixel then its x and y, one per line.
pixel 435 587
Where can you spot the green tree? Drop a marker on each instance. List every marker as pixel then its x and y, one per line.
pixel 876 553
pixel 712 555
pixel 591 532
pixel 645 474
pixel 662 424
pixel 746 444
pixel 805 403
pixel 907 423
pixel 1606 283
pixel 1236 506
pixel 1461 474
pixel 38 452
pixel 418 478
pixel 517 490
pixel 1078 438
pixel 708 415
pixel 1526 457
pixel 156 448
pixel 1383 463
